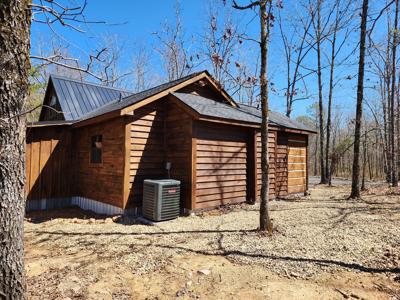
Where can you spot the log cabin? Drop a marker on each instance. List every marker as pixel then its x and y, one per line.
pixel 94 145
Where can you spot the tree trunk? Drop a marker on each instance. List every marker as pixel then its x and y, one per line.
pixel 316 153
pixel 329 114
pixel 386 110
pixel 265 222
pixel 355 184
pixel 398 127
pixel 393 150
pixel 320 99
pixel 364 159
pixel 14 60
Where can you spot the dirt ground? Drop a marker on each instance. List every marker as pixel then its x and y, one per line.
pixel 324 247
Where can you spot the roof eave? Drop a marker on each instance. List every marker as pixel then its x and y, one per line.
pixel 49 123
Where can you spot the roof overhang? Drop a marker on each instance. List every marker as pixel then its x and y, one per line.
pixel 196 115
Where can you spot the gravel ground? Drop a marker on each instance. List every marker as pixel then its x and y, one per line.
pixel 320 233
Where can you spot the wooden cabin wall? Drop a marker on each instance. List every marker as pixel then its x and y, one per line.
pixel 291 164
pixel 297 163
pixel 221 160
pixel 272 157
pixel 102 182
pixel 146 149
pixel 160 133
pixel 48 161
pixel 178 138
pixel 281 165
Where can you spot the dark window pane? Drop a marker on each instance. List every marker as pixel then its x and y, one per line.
pixel 96 149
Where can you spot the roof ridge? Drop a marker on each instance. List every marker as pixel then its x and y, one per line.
pixel 51 75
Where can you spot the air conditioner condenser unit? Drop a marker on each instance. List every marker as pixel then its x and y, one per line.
pixel 161 199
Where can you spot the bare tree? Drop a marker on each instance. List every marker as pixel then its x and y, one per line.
pixel 142 75
pixel 343 17
pixel 110 67
pixel 393 148
pixel 296 49
pixel 265 8
pixel 355 184
pixel 220 40
pixel 173 49
pixel 318 33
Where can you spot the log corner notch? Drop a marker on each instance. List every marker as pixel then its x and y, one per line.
pixel 252 167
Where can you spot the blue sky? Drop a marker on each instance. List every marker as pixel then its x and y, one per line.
pixel 135 21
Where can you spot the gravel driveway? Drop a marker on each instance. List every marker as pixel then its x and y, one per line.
pixel 319 233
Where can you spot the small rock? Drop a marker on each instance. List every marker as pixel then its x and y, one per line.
pixel 108 221
pixel 204 272
pixel 181 292
pixel 116 219
pixel 92 221
pixel 189 283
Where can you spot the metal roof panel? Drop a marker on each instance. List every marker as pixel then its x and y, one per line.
pixel 78 98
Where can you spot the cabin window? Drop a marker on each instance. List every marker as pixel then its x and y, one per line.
pixel 96 149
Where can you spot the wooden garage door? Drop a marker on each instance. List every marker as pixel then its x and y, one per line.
pixel 297 163
pixel 221 154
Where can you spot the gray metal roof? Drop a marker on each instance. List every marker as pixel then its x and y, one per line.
pixel 78 98
pixel 132 99
pixel 244 113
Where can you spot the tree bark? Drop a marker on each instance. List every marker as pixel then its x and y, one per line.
pixel 15 19
pixel 364 159
pixel 393 150
pixel 355 184
pixel 265 221
pixel 320 97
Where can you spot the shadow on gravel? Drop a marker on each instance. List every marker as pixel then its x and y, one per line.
pixel 322 262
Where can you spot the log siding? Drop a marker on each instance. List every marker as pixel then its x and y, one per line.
pixel 272 163
pixel 221 168
pixel 105 181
